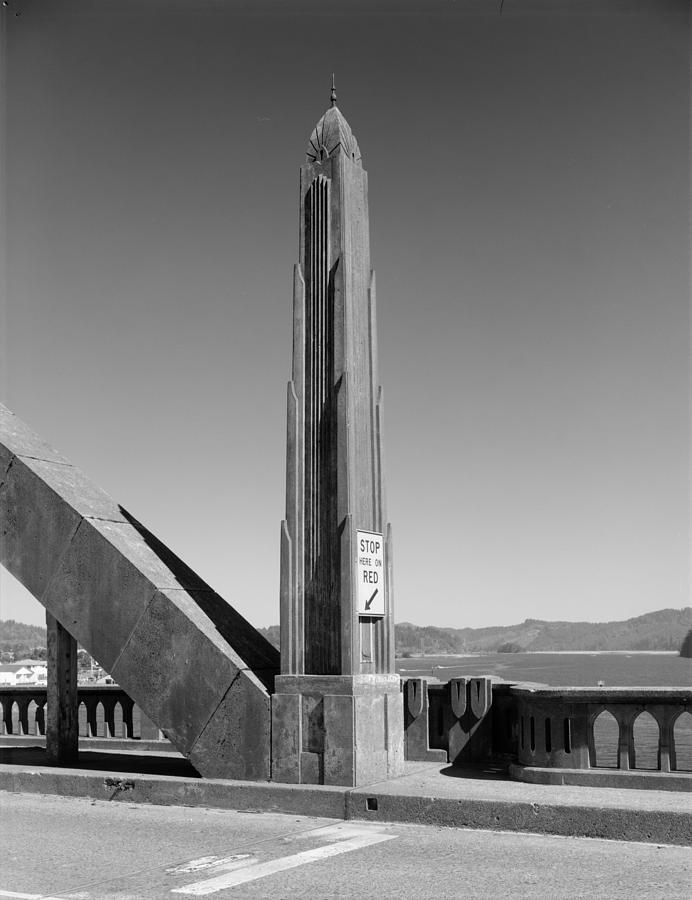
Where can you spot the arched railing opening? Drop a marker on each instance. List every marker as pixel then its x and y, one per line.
pixel 646 736
pixel 118 722
pixel 605 741
pixel 10 716
pixel 99 715
pixel 682 740
pixel 33 718
pixel 82 718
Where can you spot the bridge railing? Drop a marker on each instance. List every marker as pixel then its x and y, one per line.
pixel 470 720
pixel 451 721
pixel 581 728
pixel 105 711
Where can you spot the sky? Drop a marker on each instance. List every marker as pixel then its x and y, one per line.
pixel 530 229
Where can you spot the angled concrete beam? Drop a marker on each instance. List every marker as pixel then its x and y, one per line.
pixel 195 666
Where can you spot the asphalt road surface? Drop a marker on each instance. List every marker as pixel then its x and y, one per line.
pixel 95 850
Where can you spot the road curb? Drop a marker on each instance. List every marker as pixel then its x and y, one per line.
pixel 382 803
pixel 623 824
pixel 165 790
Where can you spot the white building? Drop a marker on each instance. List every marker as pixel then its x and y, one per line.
pixel 25 671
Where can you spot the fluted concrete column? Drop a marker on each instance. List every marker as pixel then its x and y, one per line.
pixel 62 727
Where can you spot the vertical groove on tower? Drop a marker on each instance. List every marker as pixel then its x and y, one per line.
pixel 336 464
pixel 321 654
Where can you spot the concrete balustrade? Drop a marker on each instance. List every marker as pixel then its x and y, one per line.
pixel 22 698
pixel 556 725
pixel 548 733
pixel 448 722
pixel 118 717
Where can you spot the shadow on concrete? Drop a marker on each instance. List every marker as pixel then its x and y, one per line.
pixel 492 770
pixel 104 761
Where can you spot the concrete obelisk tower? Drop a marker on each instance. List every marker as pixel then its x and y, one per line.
pixel 337 711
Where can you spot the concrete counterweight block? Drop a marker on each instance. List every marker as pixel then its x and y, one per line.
pixel 337 729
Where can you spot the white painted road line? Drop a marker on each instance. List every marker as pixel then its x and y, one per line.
pixel 19 896
pixel 252 869
pixel 220 863
pixel 340 832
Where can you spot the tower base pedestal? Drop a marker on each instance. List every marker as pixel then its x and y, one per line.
pixel 337 729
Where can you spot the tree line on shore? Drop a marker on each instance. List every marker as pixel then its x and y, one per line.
pixel 664 629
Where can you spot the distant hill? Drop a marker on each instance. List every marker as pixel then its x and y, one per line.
pixel 271 634
pixel 18 640
pixel 664 629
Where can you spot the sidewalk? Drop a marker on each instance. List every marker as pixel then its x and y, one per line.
pixel 427 794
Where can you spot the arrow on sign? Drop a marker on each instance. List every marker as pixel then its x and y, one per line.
pixel 368 603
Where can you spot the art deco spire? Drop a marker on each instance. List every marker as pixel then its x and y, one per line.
pixel 331 132
pixel 335 483
pixel 337 713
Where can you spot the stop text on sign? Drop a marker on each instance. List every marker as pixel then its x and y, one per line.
pixel 370 573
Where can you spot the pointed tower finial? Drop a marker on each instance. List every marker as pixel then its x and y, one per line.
pixel 333 96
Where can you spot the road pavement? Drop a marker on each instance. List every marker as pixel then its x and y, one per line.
pixel 86 849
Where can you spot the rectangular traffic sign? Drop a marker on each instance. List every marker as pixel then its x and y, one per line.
pixel 370 573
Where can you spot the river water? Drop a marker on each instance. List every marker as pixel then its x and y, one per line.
pixel 616 669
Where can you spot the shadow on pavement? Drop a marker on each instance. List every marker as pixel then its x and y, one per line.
pixel 491 771
pixel 103 761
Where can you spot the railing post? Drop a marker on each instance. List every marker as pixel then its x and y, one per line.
pixel 91 706
pixel 62 731
pixel 625 720
pixel 109 716
pixel 665 729
pixel 672 746
pixel 40 718
pixel 7 715
pixel 23 711
pixel 127 706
